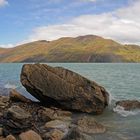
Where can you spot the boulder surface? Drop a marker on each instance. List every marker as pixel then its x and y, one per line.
pixel 63 88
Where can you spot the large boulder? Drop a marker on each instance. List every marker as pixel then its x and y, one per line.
pixel 63 88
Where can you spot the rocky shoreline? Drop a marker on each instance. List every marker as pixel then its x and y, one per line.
pixel 24 119
pixel 61 94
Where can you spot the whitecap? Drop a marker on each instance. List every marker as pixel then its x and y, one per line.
pixel 120 110
pixel 111 98
pixel 10 86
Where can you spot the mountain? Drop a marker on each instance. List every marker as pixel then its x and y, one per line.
pixel 89 48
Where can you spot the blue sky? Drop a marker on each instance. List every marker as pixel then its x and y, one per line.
pixel 25 20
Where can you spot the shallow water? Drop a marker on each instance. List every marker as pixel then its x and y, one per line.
pixel 121 80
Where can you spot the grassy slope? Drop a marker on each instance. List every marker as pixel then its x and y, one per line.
pixel 80 49
pixel 25 51
pixel 2 50
pixel 130 53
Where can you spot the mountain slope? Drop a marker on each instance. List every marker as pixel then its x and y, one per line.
pixel 89 48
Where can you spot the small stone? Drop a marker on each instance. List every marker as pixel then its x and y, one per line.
pixel 58 124
pixel 1 131
pixel 4 101
pixel 15 112
pixel 17 97
pixel 1 114
pixel 63 115
pixel 30 135
pixel 48 114
pixel 2 138
pixel 10 137
pixel 17 120
pixel 55 134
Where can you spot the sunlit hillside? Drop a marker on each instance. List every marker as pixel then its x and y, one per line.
pixel 87 48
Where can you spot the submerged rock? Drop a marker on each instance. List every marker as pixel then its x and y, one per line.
pixel 129 104
pixel 84 128
pixel 54 134
pixel 64 88
pixel 90 126
pixel 75 134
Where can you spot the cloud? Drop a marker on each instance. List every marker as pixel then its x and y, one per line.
pixel 3 3
pixel 6 45
pixel 122 25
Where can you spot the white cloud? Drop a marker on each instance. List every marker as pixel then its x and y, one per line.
pixel 13 45
pixel 122 25
pixel 6 45
pixel 3 3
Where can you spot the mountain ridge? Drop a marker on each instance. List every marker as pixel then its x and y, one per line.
pixel 88 48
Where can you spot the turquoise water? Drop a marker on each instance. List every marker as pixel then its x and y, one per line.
pixel 121 80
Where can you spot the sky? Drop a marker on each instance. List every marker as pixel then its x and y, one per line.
pixel 23 21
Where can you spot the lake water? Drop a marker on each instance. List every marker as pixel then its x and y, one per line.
pixel 122 81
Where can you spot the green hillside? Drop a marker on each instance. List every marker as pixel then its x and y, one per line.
pixel 89 48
